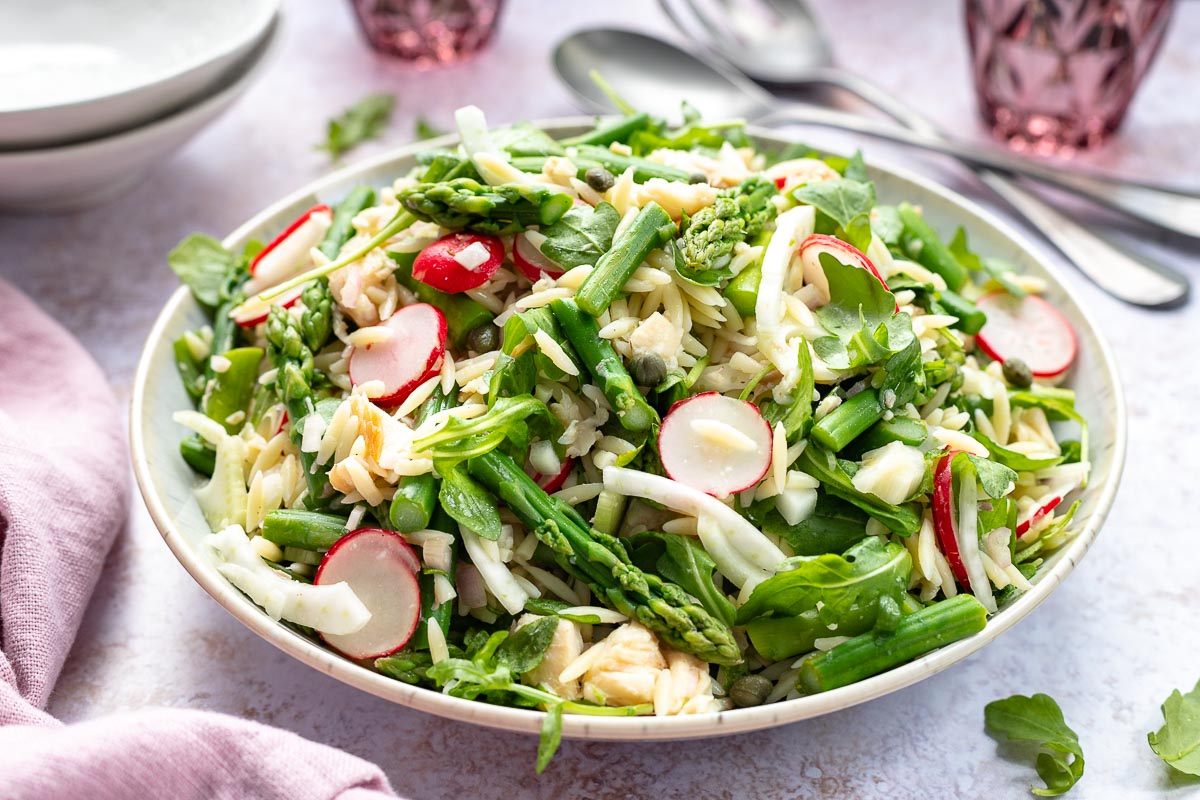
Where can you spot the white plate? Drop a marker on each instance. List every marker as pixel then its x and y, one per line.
pixel 75 69
pixel 81 175
pixel 167 482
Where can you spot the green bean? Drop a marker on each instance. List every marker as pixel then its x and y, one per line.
pixel 342 229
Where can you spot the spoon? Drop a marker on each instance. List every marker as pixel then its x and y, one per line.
pixel 780 43
pixel 653 75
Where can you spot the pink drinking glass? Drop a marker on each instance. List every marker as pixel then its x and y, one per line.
pixel 1055 75
pixel 428 31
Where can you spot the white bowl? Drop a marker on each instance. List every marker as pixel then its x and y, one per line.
pixel 81 175
pixel 167 482
pixel 77 69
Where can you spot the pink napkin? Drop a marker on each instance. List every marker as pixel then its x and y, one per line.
pixel 64 494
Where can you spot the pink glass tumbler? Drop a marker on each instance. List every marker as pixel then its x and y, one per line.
pixel 428 32
pixel 1055 75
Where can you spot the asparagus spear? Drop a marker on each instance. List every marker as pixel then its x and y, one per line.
pixel 602 561
pixel 923 244
pixel 441 521
pixel 416 495
pixel 605 133
pixel 605 366
pixel 652 228
pixel 871 653
pixel 316 324
pixel 846 422
pixel 310 530
pixel 705 248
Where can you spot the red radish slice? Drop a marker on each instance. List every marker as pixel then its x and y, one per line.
pixel 943 516
pixel 1028 328
pixel 716 444
pixel 459 262
pixel 552 483
pixel 410 356
pixel 780 182
pixel 847 254
pixel 379 567
pixel 1023 527
pixel 288 253
pixel 254 311
pixel 531 261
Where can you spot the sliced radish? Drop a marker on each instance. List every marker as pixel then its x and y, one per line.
pixel 378 566
pixel 1028 328
pixel 288 253
pixel 410 356
pixel 531 261
pixel 1043 510
pixel 719 445
pixel 847 254
pixel 254 311
pixel 552 482
pixel 459 262
pixel 943 515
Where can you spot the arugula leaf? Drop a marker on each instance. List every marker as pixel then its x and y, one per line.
pixel 1059 404
pixel 861 317
pixel 581 236
pixel 834 526
pixel 887 225
pixel 996 479
pixel 1012 459
pixel 517 419
pixel 998 270
pixel 847 202
pixel 1177 742
pixel 550 738
pixel 844 586
pixel 468 503
pixel 681 561
pixel 525 647
pixel 202 264
pixel 364 120
pixel 423 129
pixel 1039 720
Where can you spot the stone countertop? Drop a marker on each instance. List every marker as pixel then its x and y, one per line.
pixel 1110 644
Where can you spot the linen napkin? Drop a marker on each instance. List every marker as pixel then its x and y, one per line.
pixel 64 494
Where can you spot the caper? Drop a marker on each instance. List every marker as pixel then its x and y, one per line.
pixel 749 690
pixel 697 177
pixel 648 369
pixel 599 179
pixel 1017 373
pixel 483 339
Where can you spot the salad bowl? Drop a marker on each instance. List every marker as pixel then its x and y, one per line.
pixel 167 482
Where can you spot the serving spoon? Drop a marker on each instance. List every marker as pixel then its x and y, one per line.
pixel 778 42
pixel 653 75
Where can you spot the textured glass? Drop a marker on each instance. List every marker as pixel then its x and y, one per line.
pixel 428 31
pixel 1054 75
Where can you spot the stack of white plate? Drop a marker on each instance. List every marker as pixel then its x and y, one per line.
pixel 92 94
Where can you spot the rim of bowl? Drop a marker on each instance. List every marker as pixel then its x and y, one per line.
pixel 246 70
pixel 618 728
pixel 269 9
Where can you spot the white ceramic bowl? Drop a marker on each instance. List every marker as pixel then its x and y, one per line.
pixel 77 69
pixel 167 482
pixel 81 175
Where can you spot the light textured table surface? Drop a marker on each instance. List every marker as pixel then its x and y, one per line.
pixel 1109 645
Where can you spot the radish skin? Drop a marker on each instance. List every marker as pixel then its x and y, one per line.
pixel 377 565
pixel 288 253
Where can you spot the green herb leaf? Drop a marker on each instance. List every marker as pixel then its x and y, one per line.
pixel 364 120
pixel 856 169
pixel 847 202
pixel 997 480
pixel 581 236
pixel 423 129
pixel 202 264
pixel 525 647
pixel 548 606
pixel 998 270
pixel 861 318
pixel 887 225
pixel 1039 720
pixel 1012 459
pixel 1177 742
pixel 523 140
pixel 469 503
pixel 1059 404
pixel 550 737
pixel 824 466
